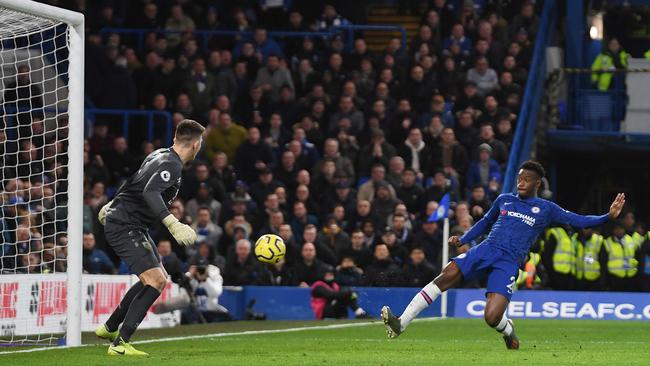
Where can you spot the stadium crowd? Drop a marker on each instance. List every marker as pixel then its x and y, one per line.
pixel 344 153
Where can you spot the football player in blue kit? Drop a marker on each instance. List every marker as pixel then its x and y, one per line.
pixel 515 221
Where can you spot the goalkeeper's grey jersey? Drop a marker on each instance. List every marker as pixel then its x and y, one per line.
pixel 146 196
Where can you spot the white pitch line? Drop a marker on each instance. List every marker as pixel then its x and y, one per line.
pixel 221 335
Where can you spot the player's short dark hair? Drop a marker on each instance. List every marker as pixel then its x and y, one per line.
pixel 188 130
pixel 535 167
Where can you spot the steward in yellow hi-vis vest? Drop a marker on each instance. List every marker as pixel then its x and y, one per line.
pixel 632 229
pixel 612 58
pixel 623 259
pixel 637 231
pixel 591 259
pixel 645 255
pixel 559 258
pixel 533 275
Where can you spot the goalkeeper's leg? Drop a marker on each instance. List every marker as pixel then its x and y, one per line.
pixel 109 330
pixel 136 248
pixel 154 281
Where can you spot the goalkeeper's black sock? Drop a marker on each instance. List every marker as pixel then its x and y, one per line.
pixel 137 310
pixel 119 313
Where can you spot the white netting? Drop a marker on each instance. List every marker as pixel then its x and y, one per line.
pixel 33 178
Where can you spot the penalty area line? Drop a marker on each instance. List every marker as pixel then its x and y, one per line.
pixel 228 334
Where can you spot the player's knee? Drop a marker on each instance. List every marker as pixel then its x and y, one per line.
pixel 160 282
pixel 156 281
pixel 492 318
pixel 449 277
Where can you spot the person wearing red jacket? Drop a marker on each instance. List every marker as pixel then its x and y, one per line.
pixel 329 300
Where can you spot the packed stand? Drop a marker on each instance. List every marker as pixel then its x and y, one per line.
pixel 344 153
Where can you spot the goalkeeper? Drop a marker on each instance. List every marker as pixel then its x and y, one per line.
pixel 144 198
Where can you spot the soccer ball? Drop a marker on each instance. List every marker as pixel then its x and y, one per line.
pixel 270 248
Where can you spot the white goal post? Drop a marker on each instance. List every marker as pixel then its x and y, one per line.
pixel 19 20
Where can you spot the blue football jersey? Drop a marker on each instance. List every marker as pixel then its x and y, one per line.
pixel 516 223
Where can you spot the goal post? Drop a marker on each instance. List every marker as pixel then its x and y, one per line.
pixel 22 24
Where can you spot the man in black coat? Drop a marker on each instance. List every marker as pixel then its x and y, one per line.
pixel 409 192
pixel 419 90
pixel 120 162
pixel 243 269
pixel 398 251
pixel 358 251
pixel 382 272
pixel 429 238
pixel 418 271
pixel 450 155
pixel 264 186
pixel 252 155
pixel 287 170
pixel 309 268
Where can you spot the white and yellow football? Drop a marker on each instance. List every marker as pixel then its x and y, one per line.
pixel 270 248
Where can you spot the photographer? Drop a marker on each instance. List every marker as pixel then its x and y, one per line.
pixel 329 300
pixel 203 285
pixel 207 285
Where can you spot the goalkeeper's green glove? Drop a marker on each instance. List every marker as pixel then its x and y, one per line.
pixel 183 234
pixel 101 216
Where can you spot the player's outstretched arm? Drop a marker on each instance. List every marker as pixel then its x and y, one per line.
pixel 481 225
pixel 563 216
pixel 617 206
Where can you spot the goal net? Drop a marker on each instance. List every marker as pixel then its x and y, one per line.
pixel 41 141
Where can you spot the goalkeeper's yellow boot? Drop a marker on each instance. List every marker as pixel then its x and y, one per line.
pixel 103 333
pixel 124 349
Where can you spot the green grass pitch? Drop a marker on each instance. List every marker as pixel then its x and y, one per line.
pixel 427 342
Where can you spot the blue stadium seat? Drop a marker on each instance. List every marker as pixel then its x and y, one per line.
pixel 361 181
pixel 110 191
pixel 597 110
pixel 428 182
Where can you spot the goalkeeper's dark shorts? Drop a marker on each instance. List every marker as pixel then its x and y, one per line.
pixel 134 246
